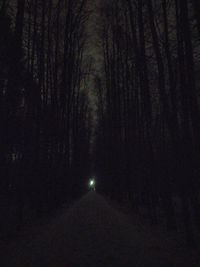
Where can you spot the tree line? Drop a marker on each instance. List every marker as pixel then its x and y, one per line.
pixel 148 133
pixel 44 109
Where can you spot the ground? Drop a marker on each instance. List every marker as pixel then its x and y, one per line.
pixel 91 233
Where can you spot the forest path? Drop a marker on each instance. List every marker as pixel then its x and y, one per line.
pixel 90 234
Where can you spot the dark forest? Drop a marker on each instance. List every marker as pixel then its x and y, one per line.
pixel 148 131
pixel 124 109
pixel 44 109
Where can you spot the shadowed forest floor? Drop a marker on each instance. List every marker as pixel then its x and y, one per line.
pixel 93 233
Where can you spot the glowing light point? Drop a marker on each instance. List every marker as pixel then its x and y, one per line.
pixel 92 184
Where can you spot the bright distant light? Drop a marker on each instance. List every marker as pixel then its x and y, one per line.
pixel 92 182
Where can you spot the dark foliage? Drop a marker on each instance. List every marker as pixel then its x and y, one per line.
pixel 148 146
pixel 44 114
